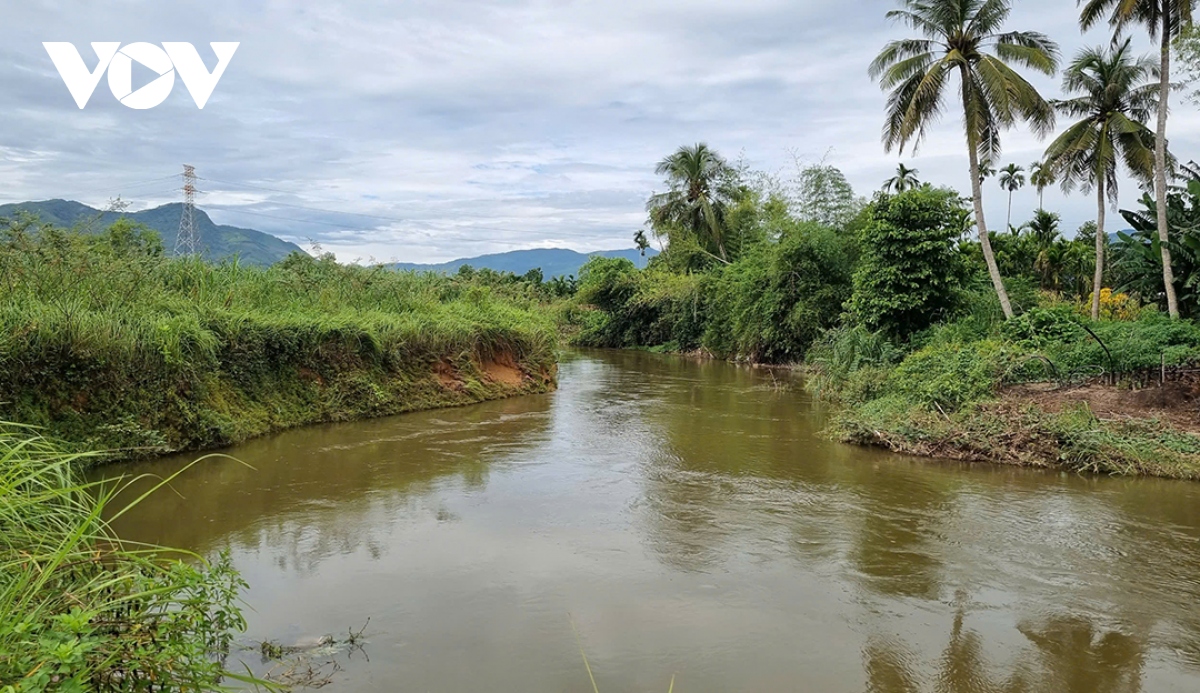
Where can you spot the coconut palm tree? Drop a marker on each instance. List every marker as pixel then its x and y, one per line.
pixel 639 239
pixel 964 38
pixel 1012 179
pixel 1164 20
pixel 1114 101
pixel 1041 177
pixel 905 179
pixel 701 188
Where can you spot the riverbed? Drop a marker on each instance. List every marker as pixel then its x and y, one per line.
pixel 667 517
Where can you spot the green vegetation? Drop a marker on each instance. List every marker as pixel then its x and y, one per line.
pixel 80 610
pixel 886 300
pixel 892 314
pixel 965 39
pixel 1114 105
pixel 110 345
pixel 1167 21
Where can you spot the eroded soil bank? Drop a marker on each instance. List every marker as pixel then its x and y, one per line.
pixel 1153 431
pixel 248 395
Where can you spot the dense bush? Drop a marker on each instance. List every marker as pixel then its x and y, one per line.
pixel 649 308
pixel 910 275
pixel 776 301
pixel 950 374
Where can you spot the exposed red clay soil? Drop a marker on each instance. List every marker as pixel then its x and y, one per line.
pixel 447 375
pixel 502 369
pixel 1177 403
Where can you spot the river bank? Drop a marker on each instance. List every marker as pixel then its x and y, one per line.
pixel 981 398
pixel 106 344
pixel 1020 429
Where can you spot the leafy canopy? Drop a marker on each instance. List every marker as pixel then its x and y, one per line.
pixel 963 36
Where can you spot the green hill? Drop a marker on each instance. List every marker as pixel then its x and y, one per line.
pixel 217 242
pixel 554 262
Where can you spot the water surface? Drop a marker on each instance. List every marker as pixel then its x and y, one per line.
pixel 689 519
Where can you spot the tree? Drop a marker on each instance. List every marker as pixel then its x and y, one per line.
pixel 1137 256
pixel 639 239
pixel 1187 52
pixel 957 38
pixel 822 195
pixel 1113 103
pixel 1012 179
pixel 1165 20
pixel 904 180
pixel 702 186
pixel 1041 177
pixel 910 273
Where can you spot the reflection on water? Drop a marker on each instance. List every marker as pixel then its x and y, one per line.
pixel 691 520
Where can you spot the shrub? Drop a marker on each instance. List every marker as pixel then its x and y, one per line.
pixel 910 275
pixel 950 374
pixel 850 364
pixel 78 611
pixel 771 305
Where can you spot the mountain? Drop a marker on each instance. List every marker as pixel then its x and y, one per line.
pixel 217 242
pixel 554 262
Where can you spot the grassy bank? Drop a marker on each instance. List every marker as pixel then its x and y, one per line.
pixel 80 611
pixel 1026 434
pixel 1049 388
pixel 110 345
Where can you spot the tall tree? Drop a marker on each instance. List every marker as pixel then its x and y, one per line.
pixel 905 179
pixel 821 194
pixel 1114 101
pixel 1012 179
pixel 1164 20
pixel 639 239
pixel 701 187
pixel 1041 177
pixel 966 38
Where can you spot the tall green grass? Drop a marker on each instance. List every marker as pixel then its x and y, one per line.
pixel 110 344
pixel 82 611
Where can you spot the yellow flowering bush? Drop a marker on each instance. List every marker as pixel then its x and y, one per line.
pixel 1114 305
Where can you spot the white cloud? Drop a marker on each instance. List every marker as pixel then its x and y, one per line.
pixel 432 129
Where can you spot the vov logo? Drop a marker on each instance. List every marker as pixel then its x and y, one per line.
pixel 166 61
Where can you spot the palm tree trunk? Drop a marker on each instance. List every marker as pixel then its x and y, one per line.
pixel 984 241
pixel 1008 221
pixel 1160 163
pixel 1098 279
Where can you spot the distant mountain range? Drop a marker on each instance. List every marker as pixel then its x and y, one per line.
pixel 220 242
pixel 217 242
pixel 554 262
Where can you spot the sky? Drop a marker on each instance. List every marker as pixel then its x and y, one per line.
pixel 428 130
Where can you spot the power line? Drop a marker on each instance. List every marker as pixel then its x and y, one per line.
pixel 122 188
pixel 335 227
pixel 339 227
pixel 263 187
pixel 239 210
pixel 327 211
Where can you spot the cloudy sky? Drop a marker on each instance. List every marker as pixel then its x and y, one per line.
pixel 426 130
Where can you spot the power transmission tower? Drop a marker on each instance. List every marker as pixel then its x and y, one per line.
pixel 187 243
pixel 116 204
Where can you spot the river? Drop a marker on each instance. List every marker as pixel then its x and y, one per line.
pixel 669 517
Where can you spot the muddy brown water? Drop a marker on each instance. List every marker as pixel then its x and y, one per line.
pixel 689 520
